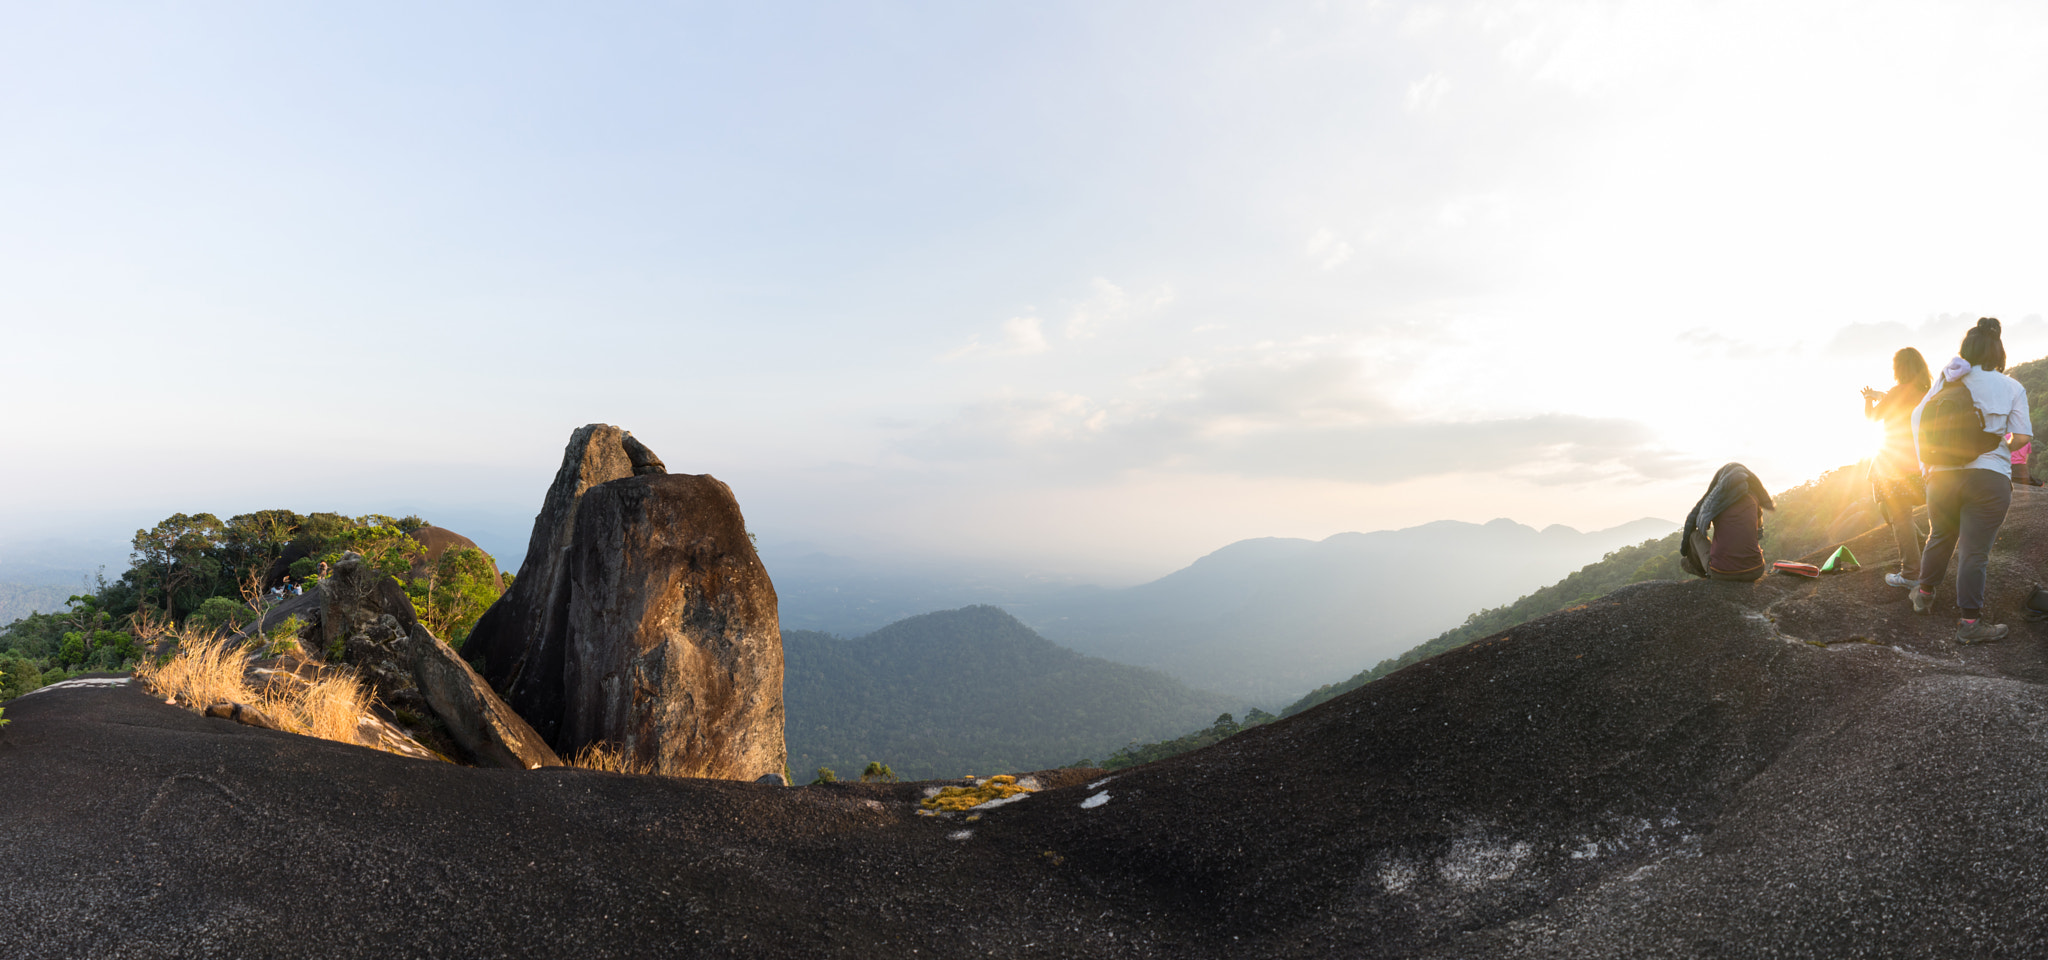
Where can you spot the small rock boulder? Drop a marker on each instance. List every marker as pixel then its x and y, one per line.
pixel 242 713
pixel 353 597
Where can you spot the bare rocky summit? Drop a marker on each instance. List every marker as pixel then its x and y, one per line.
pixel 1792 768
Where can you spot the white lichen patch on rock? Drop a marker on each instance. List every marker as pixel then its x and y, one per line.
pixel 1471 864
pixel 959 834
pixel 1397 876
pixel 1095 801
pixel 1100 782
pixel 85 683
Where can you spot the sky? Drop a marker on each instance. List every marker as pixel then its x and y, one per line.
pixel 1085 289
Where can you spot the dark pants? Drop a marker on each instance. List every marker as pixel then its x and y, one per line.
pixel 1898 514
pixel 1965 508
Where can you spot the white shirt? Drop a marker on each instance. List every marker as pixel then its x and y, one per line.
pixel 2002 401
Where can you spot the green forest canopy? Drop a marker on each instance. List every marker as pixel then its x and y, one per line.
pixel 198 571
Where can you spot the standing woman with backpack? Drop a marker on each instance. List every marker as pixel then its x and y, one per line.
pixel 1958 430
pixel 1895 480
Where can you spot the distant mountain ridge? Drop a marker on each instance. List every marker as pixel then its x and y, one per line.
pixel 969 691
pixel 1270 618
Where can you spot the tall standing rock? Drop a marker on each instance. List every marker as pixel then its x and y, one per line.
pixel 673 652
pixel 519 637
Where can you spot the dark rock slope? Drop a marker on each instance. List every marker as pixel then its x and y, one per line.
pixel 1786 769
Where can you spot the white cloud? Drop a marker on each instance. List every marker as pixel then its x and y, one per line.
pixel 1022 336
pixel 1287 414
pixel 1326 250
pixel 1107 305
pixel 1937 337
pixel 1426 93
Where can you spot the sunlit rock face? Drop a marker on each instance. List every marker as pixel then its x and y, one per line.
pixel 673 650
pixel 641 618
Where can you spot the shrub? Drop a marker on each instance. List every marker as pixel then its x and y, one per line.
pixel 18 676
pixel 877 770
pixel 825 775
pixel 216 612
pixel 282 638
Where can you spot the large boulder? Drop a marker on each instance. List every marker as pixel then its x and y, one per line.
pixel 367 622
pixel 672 650
pixel 478 720
pixel 518 638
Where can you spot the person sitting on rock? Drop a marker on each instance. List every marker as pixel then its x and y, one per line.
pixel 1967 501
pixel 1895 481
pixel 1733 507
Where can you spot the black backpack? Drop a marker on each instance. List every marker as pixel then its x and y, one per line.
pixel 1952 428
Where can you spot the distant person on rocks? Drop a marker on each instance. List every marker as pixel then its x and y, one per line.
pixel 1733 507
pixel 1969 472
pixel 1895 480
pixel 2020 471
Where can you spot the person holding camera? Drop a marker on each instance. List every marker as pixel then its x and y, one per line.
pixel 1895 478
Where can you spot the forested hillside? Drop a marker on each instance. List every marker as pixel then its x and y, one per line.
pixel 196 570
pixel 969 691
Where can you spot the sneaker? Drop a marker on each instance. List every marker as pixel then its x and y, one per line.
pixel 1894 580
pixel 1982 631
pixel 1923 600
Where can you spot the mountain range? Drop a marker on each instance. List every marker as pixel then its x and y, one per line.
pixel 1268 619
pixel 969 690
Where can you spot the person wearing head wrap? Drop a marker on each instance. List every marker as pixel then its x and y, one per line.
pixel 1966 503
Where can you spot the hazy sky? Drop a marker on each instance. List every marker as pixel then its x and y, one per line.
pixel 1097 287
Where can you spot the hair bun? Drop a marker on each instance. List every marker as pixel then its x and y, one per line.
pixel 1988 322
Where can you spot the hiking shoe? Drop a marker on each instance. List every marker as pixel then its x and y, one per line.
pixel 1894 580
pixel 1923 600
pixel 1983 631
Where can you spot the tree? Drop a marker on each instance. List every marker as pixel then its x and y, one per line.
pixel 877 770
pixel 175 558
pixel 86 616
pixel 457 590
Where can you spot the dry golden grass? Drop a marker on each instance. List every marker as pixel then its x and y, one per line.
pixel 607 757
pixel 208 670
pixel 204 671
pixel 329 708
